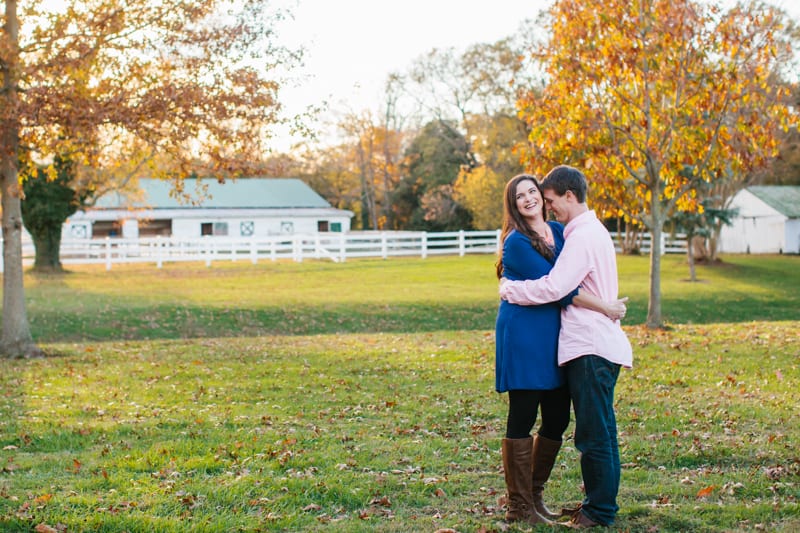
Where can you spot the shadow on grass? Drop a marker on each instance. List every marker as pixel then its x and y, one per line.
pixel 736 307
pixel 130 322
pixel 176 322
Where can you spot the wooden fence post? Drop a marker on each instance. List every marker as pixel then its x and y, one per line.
pixel 297 248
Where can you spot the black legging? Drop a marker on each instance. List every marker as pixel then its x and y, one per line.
pixel 523 406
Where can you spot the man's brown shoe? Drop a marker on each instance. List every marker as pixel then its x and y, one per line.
pixel 581 521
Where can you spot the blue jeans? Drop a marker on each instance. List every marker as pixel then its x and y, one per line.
pixel 591 382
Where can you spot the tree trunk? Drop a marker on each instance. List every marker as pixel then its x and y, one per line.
pixel 654 305
pixel 16 339
pixel 697 244
pixel 713 242
pixel 690 257
pixel 656 231
pixel 368 216
pixel 633 243
pixel 47 242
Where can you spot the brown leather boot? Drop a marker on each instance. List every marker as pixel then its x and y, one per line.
pixel 517 470
pixel 581 521
pixel 544 457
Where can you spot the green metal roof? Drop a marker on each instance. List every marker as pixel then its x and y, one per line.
pixel 243 193
pixel 783 198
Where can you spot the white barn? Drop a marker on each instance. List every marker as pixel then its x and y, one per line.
pixel 768 221
pixel 247 207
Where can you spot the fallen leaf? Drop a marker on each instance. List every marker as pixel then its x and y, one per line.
pixel 704 492
pixel 44 498
pixel 382 501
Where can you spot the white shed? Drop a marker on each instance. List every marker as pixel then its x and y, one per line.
pixel 247 207
pixel 768 221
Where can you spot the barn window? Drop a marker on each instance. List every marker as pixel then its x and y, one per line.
pixel 152 228
pixel 79 231
pixel 287 227
pixel 247 228
pixel 106 228
pixel 214 228
pixel 322 225
pixel 336 226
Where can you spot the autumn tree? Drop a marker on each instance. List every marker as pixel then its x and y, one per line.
pixel 498 74
pixel 424 197
pixel 47 203
pixel 485 79
pixel 191 82
pixel 330 173
pixel 785 170
pixel 653 98
pixel 53 192
pixel 360 172
pixel 480 188
pixel 722 191
pixel 374 146
pixel 391 144
pixel 475 91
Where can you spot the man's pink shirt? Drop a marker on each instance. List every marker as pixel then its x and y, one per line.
pixel 588 259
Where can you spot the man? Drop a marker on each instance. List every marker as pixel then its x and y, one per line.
pixel 591 346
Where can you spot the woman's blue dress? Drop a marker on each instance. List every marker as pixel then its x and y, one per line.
pixel 526 353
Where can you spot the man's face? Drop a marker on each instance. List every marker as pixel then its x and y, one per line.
pixel 557 205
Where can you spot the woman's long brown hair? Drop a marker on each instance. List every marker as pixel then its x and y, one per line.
pixel 513 220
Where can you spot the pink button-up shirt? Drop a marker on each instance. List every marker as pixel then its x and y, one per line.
pixel 589 260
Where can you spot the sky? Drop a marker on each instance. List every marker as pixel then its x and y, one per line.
pixel 353 45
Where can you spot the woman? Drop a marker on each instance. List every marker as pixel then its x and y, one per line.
pixel 526 351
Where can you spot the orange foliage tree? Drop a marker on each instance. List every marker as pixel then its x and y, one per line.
pixel 653 98
pixel 372 155
pixel 192 84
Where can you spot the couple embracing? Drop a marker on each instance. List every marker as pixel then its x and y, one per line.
pixel 559 342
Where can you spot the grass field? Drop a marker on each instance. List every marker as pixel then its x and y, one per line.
pixel 359 397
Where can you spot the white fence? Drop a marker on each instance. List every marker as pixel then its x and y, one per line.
pixel 337 247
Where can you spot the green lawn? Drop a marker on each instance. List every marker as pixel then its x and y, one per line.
pixel 359 397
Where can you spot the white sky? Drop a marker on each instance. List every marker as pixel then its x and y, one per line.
pixel 353 45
